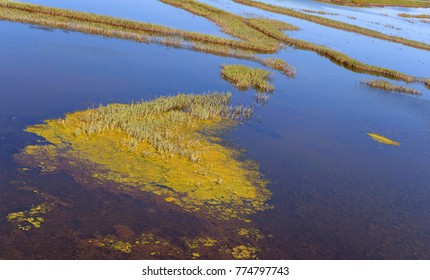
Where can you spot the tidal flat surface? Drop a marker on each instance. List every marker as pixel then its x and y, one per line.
pixel 336 193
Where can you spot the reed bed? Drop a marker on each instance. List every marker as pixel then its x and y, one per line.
pixel 270 29
pixel 280 65
pixel 426 82
pixel 138 31
pixel 244 77
pixel 111 26
pixel 169 146
pixel 334 23
pixel 235 25
pixel 164 123
pixel 385 85
pixel 258 35
pixel 422 16
pixel 379 3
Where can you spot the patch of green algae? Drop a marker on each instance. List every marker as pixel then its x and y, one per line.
pixel 32 218
pixel 166 146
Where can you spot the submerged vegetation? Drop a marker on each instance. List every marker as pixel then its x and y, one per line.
pixel 383 140
pixel 385 85
pixel 32 218
pixel 334 23
pixel 149 245
pixel 244 77
pixel 167 146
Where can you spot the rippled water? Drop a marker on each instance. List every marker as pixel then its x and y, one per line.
pixel 337 193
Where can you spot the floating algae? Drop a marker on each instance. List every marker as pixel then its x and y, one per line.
pixel 244 252
pixel 158 147
pixel 150 245
pixel 32 218
pixel 383 140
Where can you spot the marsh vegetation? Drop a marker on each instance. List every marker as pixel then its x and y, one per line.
pixel 257 35
pixel 334 24
pixel 244 77
pixel 385 85
pixel 169 141
pixel 379 3
pixel 422 16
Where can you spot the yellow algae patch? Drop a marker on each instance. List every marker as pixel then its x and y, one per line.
pixel 120 246
pixel 202 241
pixel 32 218
pixel 383 140
pixel 166 146
pixel 244 252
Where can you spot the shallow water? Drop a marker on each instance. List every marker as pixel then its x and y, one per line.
pixel 336 193
pixel 363 48
pixel 151 11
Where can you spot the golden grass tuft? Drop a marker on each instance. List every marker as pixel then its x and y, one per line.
pixel 244 77
pixel 385 85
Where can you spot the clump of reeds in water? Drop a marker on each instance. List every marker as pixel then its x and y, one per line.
pixel 164 123
pixel 385 85
pixel 169 146
pixel 281 65
pixel 413 16
pixel 244 77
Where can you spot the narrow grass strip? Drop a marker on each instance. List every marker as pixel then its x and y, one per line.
pixel 109 26
pixel 379 3
pixel 413 16
pixel 334 24
pixel 259 35
pixel 140 32
pixel 385 85
pixel 270 30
